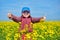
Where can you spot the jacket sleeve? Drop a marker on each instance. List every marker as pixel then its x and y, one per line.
pixel 15 18
pixel 34 20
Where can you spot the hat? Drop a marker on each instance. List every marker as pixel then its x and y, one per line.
pixel 25 9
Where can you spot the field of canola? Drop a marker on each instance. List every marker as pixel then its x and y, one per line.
pixel 49 30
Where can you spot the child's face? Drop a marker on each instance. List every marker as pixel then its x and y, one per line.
pixel 26 14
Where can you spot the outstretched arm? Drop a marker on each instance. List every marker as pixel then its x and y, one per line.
pixel 34 20
pixel 14 18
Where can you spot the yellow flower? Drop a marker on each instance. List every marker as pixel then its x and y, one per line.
pixel 42 27
pixel 28 35
pixel 51 31
pixel 16 36
pixel 7 36
pixel 41 36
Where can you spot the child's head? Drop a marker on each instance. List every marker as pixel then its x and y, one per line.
pixel 25 12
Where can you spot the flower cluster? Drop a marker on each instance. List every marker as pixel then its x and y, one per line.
pixel 41 31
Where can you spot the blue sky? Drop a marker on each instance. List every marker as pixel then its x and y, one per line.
pixel 48 8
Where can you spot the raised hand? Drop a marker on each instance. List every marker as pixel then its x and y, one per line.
pixel 9 15
pixel 43 18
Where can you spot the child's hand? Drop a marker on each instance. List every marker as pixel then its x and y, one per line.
pixel 9 15
pixel 43 18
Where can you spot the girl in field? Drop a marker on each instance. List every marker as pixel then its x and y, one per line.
pixel 26 21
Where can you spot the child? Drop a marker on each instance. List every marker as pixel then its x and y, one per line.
pixel 25 19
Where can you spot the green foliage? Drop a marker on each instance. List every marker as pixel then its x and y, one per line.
pixel 41 31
